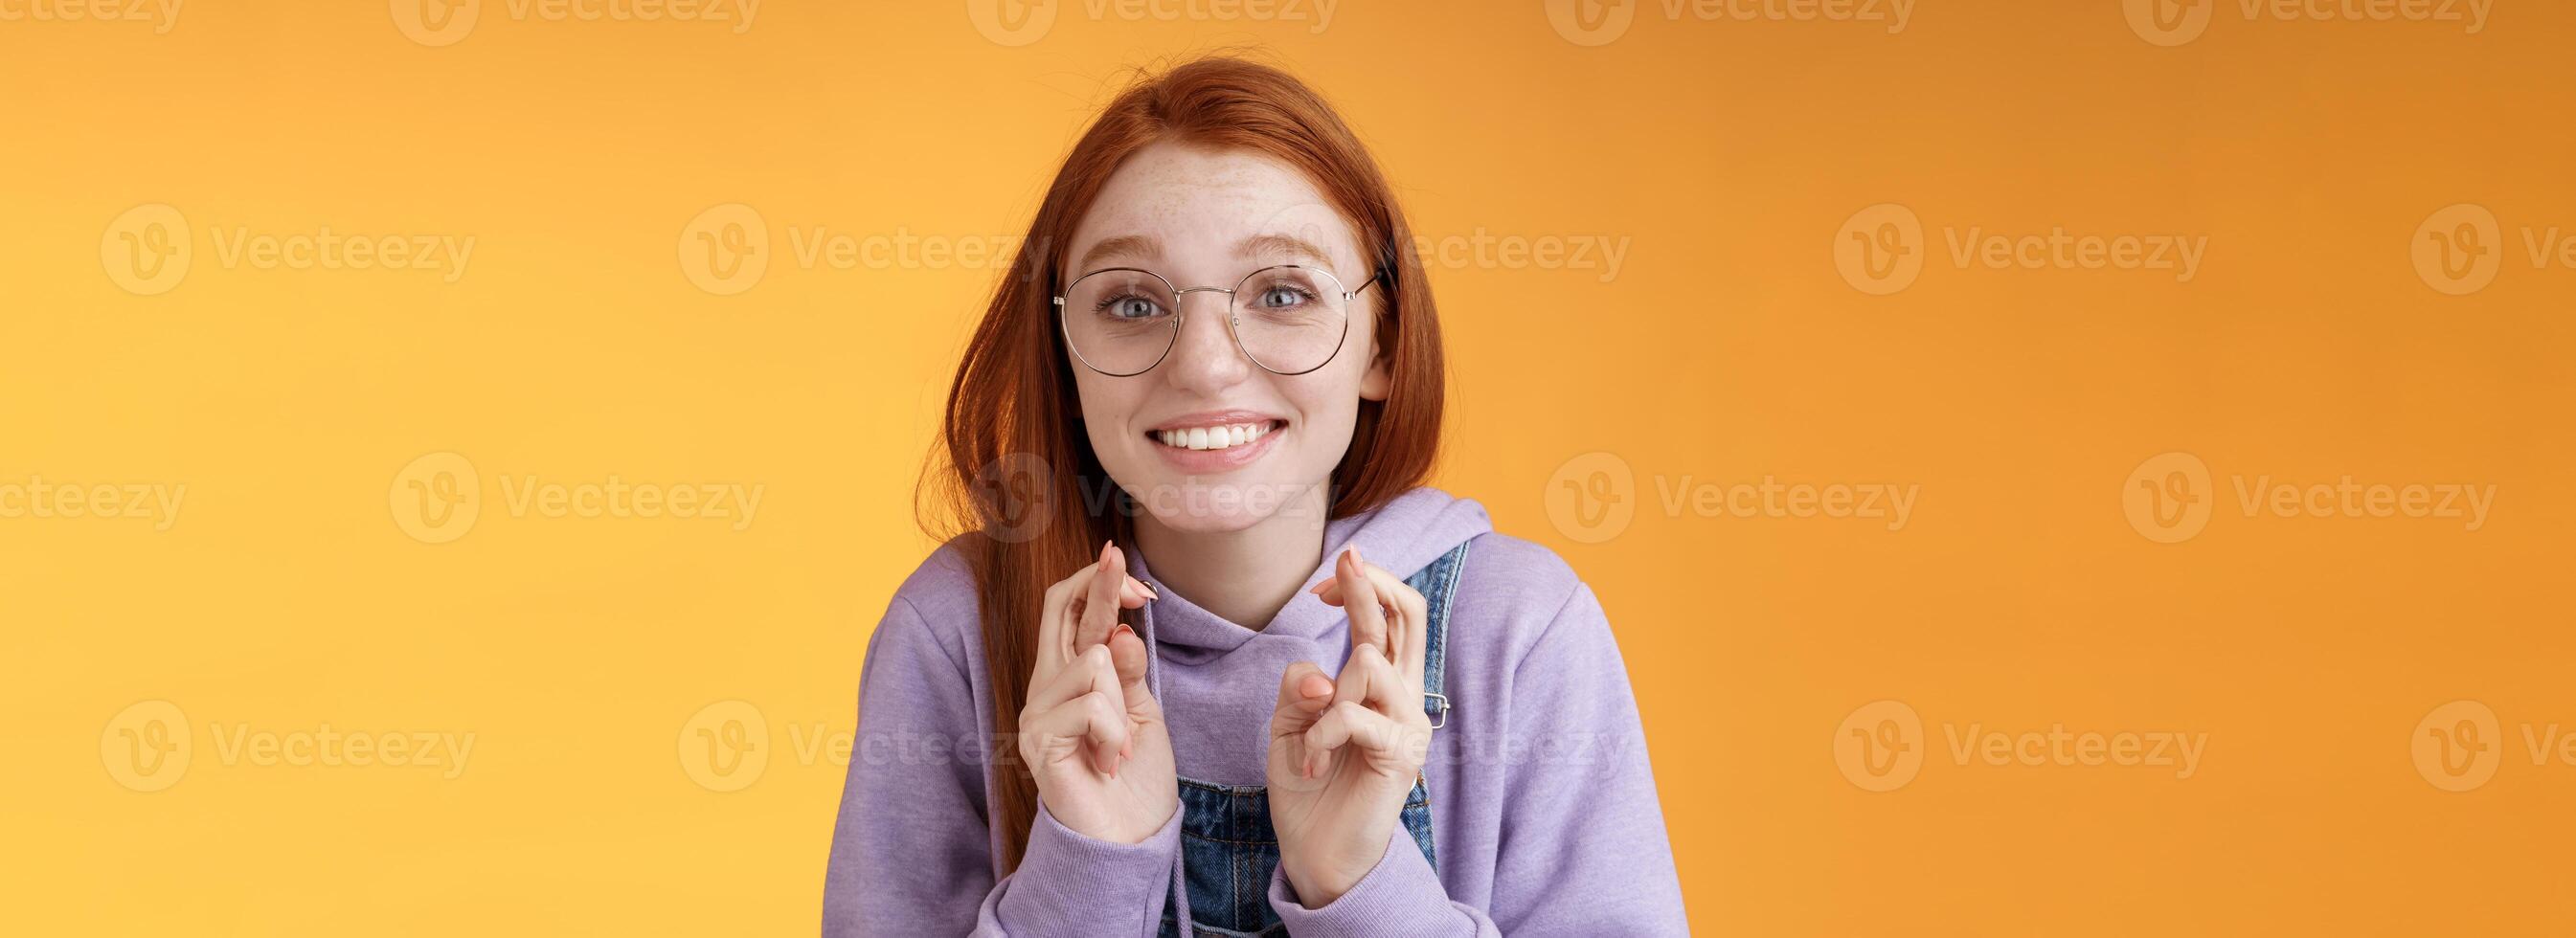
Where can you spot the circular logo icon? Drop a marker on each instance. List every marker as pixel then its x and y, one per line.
pixel 1012 22
pixel 145 747
pixel 2169 22
pixel 2458 746
pixel 2168 498
pixel 1591 498
pixel 725 249
pixel 2458 250
pixel 1879 746
pixel 436 23
pixel 436 498
pixel 1591 22
pixel 146 251
pixel 1879 249
pixel 725 746
pixel 1017 495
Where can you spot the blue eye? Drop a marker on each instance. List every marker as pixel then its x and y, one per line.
pixel 1129 307
pixel 1284 297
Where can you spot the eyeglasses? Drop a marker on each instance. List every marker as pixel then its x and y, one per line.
pixel 1289 319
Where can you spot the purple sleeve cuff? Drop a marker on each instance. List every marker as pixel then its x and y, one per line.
pixel 1400 897
pixel 1070 883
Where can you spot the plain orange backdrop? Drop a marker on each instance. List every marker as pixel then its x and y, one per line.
pixel 1731 159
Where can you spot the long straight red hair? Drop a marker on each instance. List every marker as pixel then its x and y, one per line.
pixel 1021 493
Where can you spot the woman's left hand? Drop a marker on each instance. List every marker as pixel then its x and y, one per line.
pixel 1344 753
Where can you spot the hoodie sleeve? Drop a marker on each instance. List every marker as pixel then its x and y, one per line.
pixel 912 852
pixel 1583 844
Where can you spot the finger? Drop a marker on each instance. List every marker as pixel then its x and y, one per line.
pixel 1374 735
pixel 1368 679
pixel 1091 724
pixel 1304 691
pixel 1359 598
pixel 1127 654
pixel 1055 638
pixel 1137 594
pixel 1093 670
pixel 1409 635
pixel 1100 599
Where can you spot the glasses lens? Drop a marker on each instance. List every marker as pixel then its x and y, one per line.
pixel 1120 321
pixel 1290 319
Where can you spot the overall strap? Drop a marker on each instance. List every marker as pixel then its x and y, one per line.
pixel 1438 584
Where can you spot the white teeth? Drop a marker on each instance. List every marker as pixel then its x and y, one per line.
pixel 1223 437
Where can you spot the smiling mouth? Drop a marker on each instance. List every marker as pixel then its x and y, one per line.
pixel 1218 437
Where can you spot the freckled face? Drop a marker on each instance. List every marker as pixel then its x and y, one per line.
pixel 1206 439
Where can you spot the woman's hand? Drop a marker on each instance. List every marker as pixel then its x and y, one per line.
pixel 1092 733
pixel 1343 753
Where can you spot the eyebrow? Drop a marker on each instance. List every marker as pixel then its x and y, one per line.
pixel 1141 247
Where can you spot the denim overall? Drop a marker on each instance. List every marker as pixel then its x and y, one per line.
pixel 1227 847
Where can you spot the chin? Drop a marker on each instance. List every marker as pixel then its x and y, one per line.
pixel 1216 505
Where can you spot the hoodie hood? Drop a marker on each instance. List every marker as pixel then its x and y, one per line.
pixel 1403 536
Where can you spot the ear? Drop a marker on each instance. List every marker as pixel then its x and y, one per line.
pixel 1379 380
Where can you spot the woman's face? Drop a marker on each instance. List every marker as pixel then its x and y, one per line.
pixel 1205 218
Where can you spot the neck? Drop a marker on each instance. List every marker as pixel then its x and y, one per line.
pixel 1244 576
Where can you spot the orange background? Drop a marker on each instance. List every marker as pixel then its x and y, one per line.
pixel 291 589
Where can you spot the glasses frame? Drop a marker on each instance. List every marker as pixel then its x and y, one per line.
pixel 1232 325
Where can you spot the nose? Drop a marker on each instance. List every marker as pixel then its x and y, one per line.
pixel 1204 357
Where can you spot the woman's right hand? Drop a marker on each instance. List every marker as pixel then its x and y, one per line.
pixel 1092 732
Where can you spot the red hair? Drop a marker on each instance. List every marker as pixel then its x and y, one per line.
pixel 1020 491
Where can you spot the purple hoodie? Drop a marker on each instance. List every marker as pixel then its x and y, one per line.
pixel 1543 805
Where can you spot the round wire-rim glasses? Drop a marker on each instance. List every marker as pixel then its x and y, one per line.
pixel 1233 325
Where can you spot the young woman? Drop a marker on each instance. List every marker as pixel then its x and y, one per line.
pixel 1207 651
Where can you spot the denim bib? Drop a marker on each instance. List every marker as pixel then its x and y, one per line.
pixel 1228 849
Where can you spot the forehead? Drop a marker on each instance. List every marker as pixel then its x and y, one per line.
pixel 1198 207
